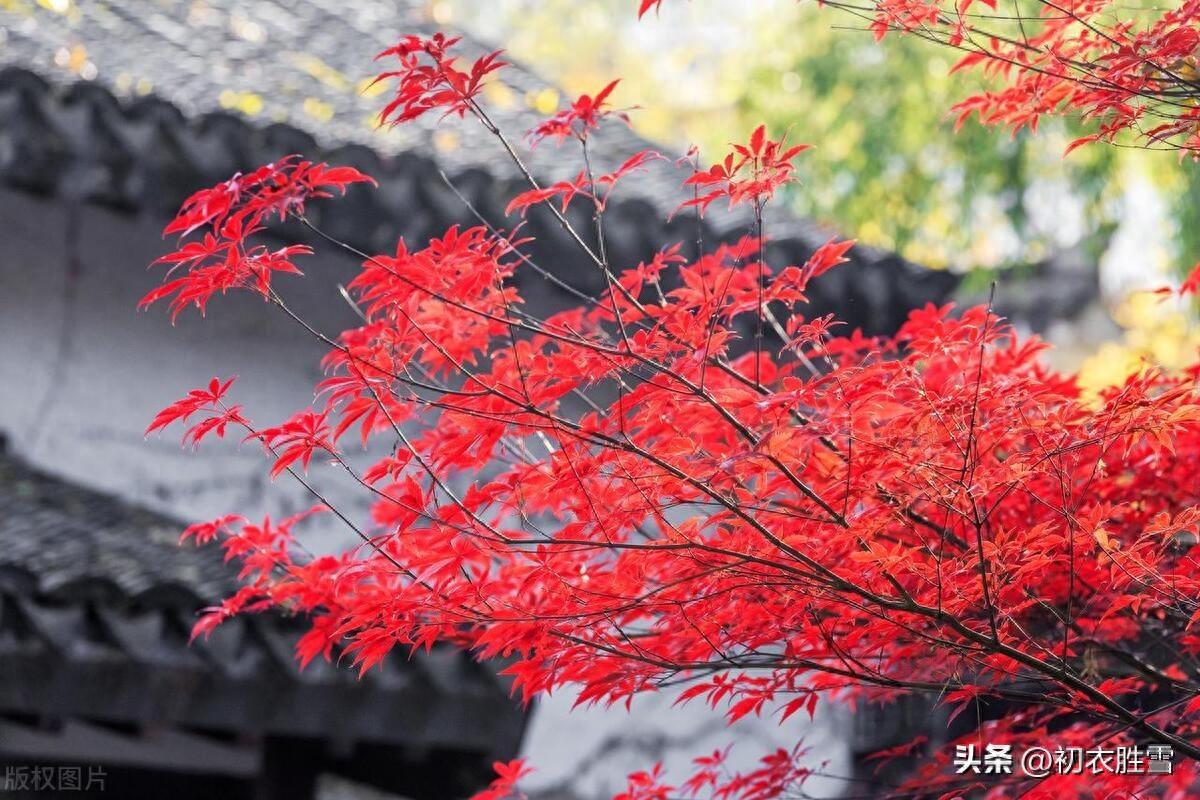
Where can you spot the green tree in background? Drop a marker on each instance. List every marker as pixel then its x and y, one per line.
pixel 890 168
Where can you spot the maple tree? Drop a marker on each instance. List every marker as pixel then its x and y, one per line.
pixel 627 494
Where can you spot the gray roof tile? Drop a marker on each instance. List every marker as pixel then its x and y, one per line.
pixel 95 589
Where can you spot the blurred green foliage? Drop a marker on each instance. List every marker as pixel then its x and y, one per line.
pixel 888 166
pixel 1187 214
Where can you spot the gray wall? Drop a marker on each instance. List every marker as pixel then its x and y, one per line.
pixel 82 372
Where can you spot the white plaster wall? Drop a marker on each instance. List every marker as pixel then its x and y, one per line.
pixel 82 372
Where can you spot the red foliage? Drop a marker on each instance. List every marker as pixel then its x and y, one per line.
pixel 646 5
pixel 505 784
pixel 1191 284
pixel 1129 71
pixel 579 119
pixel 750 174
pixel 428 78
pixel 297 439
pixel 623 494
pixel 210 401
pixel 228 214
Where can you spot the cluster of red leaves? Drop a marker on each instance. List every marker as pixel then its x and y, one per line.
pixel 1126 70
pixel 907 15
pixel 210 403
pixel 578 119
pixel 297 439
pixel 428 78
pixel 752 173
pixel 226 216
pixel 620 496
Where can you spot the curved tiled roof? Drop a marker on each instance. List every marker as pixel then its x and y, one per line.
pixel 62 542
pixel 296 66
pixel 96 602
